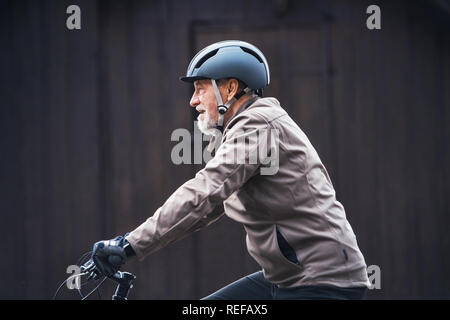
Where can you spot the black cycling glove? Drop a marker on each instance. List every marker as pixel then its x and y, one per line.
pixel 109 255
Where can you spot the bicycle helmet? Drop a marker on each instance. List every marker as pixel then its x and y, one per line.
pixel 230 59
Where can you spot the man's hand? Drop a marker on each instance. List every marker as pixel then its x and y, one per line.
pixel 109 255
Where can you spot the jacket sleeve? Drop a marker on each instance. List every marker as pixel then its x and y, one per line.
pixel 198 202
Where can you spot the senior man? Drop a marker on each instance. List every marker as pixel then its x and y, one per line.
pixel 297 230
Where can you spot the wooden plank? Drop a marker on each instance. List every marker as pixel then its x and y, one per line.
pixel 423 149
pixel 444 155
pixel 12 206
pixel 55 149
pixel 78 61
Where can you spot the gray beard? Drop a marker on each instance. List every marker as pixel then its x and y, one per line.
pixel 207 126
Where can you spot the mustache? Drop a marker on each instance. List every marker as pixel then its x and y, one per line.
pixel 201 108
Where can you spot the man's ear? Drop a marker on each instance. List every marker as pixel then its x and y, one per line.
pixel 232 88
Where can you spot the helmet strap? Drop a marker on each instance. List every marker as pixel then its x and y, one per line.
pixel 223 108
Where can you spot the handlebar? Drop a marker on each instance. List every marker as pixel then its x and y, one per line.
pixel 123 279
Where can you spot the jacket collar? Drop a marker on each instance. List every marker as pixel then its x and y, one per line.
pixel 244 106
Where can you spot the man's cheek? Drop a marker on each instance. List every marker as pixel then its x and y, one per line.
pixel 213 115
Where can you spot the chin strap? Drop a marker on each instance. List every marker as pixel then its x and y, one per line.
pixel 223 108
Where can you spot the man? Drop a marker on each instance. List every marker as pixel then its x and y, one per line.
pixel 296 229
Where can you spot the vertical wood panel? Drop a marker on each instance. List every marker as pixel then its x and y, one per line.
pixel 56 149
pixel 444 153
pixel 12 203
pixel 29 19
pixel 423 150
pixel 80 125
pixel 146 161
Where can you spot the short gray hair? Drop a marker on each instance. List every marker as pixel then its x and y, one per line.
pixel 241 85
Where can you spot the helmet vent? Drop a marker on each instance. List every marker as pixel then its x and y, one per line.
pixel 250 51
pixel 205 57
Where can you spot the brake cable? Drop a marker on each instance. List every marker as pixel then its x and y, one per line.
pixel 80 264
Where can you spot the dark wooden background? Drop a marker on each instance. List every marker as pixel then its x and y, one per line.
pixel 86 118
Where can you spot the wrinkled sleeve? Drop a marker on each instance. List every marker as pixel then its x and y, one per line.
pixel 199 201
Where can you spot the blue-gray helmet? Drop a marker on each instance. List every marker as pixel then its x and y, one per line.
pixel 230 59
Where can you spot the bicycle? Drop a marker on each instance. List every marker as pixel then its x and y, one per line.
pixel 123 279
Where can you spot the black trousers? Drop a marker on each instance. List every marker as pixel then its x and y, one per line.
pixel 255 287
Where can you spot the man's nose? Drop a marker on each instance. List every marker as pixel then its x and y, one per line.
pixel 195 101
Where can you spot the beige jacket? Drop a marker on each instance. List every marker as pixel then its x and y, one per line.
pixel 296 229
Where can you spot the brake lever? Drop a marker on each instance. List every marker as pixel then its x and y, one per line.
pixel 124 281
